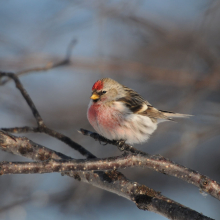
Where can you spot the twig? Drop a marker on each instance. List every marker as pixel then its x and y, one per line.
pixel 113 181
pixel 171 76
pixel 54 134
pixel 123 147
pixel 42 128
pixel 25 95
pixel 49 65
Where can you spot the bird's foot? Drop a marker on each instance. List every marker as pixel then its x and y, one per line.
pixel 104 142
pixel 121 145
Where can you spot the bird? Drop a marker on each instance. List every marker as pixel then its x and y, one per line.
pixel 118 113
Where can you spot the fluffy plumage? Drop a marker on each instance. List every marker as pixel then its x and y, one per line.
pixel 119 113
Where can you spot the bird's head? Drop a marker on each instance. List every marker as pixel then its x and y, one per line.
pixel 107 90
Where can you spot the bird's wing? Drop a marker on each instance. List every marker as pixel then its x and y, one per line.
pixel 134 101
pixel 138 105
pixel 154 114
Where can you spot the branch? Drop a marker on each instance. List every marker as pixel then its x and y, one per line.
pixel 138 158
pixel 121 145
pixel 166 75
pixel 144 197
pixel 49 65
pixel 25 95
pixel 42 128
pixel 160 164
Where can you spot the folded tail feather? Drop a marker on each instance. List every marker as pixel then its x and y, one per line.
pixel 171 115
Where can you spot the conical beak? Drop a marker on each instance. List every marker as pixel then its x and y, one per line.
pixel 94 96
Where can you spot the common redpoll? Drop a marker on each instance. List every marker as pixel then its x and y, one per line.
pixel 119 113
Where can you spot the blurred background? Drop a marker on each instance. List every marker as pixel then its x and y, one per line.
pixel 167 50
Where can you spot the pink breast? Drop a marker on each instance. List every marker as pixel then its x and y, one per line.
pixel 104 116
pixel 92 113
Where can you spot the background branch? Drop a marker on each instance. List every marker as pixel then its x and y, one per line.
pixel 49 65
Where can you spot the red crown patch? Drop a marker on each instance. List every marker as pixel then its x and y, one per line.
pixel 98 85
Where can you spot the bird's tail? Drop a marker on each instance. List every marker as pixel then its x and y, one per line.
pixel 171 115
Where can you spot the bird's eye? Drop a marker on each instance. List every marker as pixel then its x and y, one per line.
pixel 104 92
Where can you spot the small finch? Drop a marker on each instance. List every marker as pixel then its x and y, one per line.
pixel 119 113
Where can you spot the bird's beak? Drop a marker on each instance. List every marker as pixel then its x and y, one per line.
pixel 94 96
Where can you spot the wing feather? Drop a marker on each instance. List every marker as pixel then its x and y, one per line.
pixel 134 101
pixel 138 105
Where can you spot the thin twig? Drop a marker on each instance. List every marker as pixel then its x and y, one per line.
pixel 25 95
pixel 52 133
pixel 49 65
pixel 123 147
pixel 42 128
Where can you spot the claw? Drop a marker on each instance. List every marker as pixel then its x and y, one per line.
pixel 121 145
pixel 105 143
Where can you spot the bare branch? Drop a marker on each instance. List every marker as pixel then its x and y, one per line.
pixel 159 164
pixel 42 128
pixel 181 78
pixel 22 146
pixel 54 134
pixel 25 95
pixel 137 158
pixel 113 181
pixel 121 145
pixel 49 65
